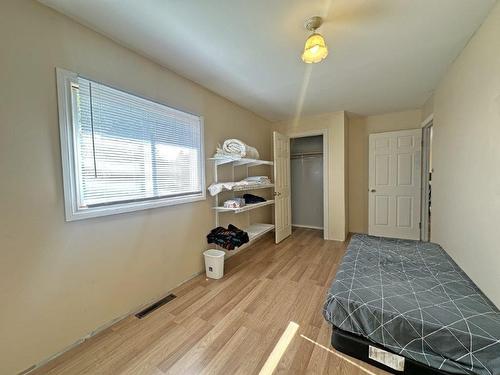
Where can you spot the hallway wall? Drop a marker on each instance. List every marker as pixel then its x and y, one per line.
pixel 360 127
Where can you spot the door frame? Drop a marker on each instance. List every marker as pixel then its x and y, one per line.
pixel 326 175
pixel 427 124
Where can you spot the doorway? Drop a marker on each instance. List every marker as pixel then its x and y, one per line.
pixel 427 170
pixel 307 181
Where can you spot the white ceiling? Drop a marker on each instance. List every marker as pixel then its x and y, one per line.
pixel 385 55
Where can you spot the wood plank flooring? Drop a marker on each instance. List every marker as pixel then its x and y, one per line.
pixel 230 326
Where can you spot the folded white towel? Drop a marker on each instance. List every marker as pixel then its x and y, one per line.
pixel 216 188
pixel 237 147
pixel 258 179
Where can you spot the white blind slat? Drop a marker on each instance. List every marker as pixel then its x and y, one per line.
pixel 130 148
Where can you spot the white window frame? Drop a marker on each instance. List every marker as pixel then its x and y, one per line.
pixel 73 212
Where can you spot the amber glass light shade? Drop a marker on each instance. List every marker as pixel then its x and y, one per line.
pixel 315 49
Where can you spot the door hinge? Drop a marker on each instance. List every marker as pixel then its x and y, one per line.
pixel 420 225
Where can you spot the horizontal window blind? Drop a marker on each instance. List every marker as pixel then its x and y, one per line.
pixel 131 149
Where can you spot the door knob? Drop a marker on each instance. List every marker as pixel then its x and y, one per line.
pixel 373 191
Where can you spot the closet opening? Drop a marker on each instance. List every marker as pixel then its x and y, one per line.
pixel 307 182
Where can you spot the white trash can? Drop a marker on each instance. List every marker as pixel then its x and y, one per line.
pixel 214 263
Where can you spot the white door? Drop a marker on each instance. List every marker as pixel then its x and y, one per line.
pixel 282 198
pixel 394 184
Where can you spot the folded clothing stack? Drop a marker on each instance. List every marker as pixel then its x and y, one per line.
pixel 229 238
pixel 251 199
pixel 258 180
pixel 234 203
pixel 218 187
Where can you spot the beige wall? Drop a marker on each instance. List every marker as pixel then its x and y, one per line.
pixel 59 280
pixel 466 151
pixel 428 108
pixel 360 128
pixel 349 160
pixel 335 123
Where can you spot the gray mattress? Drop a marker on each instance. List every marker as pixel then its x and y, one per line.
pixel 411 298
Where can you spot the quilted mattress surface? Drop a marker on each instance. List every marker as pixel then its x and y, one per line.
pixel 413 299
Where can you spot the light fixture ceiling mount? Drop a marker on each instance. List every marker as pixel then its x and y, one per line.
pixel 315 49
pixel 313 23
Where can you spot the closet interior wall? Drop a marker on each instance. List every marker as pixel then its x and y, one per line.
pixel 306 166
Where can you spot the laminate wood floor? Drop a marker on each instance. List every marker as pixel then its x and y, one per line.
pixel 232 325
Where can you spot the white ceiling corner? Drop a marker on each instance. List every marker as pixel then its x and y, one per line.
pixel 385 55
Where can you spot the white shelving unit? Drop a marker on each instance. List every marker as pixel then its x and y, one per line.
pixel 241 161
pixel 248 207
pixel 253 187
pixel 255 230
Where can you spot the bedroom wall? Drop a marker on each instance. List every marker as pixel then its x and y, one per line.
pixel 428 107
pixel 466 159
pixel 59 280
pixel 360 127
pixel 336 125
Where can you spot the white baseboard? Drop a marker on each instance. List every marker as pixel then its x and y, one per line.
pixel 307 226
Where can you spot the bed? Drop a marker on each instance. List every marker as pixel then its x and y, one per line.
pixel 405 306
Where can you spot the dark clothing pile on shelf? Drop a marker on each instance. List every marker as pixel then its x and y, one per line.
pixel 229 238
pixel 250 198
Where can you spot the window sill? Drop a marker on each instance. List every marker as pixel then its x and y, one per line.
pixel 88 213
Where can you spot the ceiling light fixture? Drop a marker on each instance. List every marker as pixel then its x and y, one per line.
pixel 315 49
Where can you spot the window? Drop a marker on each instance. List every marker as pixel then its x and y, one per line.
pixel 122 153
